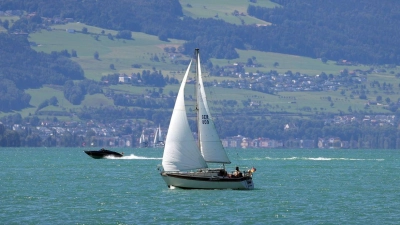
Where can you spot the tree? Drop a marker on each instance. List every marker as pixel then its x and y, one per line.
pixel 96 55
pixel 53 101
pixel 112 66
pixel 2 130
pixel 73 53
pixel 109 36
pixel 162 36
pixel 11 138
pixel 33 140
pixel 124 34
pixel 84 30
pixel 249 62
pixel 6 24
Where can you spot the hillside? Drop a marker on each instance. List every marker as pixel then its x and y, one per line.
pixel 123 53
pixel 22 68
pixel 359 31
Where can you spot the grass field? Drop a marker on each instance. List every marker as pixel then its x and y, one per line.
pixel 11 20
pixel 121 53
pixel 223 9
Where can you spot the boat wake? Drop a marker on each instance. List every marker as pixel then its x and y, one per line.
pixel 133 156
pixel 322 159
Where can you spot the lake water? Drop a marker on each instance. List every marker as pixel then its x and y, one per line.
pixel 65 186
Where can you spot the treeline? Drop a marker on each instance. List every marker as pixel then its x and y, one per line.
pixel 356 30
pixel 75 92
pixel 155 102
pixel 110 114
pixel 22 68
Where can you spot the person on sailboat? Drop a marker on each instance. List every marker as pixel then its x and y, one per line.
pixel 237 173
pixel 223 173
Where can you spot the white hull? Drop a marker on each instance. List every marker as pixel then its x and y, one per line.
pixel 205 181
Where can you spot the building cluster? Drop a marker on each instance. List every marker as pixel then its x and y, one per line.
pixel 247 143
pixel 11 13
pixel 373 120
pixel 287 82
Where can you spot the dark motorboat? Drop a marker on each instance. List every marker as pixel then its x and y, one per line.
pixel 103 153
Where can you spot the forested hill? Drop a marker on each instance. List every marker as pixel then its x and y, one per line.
pixel 363 31
pixel 360 30
pixel 22 68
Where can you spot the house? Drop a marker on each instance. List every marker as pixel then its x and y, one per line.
pixel 307 144
pixel 289 126
pixel 71 31
pixel 124 79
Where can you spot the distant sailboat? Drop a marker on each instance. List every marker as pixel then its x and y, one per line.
pixel 158 140
pixel 143 141
pixel 182 154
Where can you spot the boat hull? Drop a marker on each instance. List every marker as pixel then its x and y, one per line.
pixel 103 154
pixel 203 181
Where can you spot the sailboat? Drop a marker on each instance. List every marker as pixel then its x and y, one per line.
pixel 142 141
pixel 185 161
pixel 158 140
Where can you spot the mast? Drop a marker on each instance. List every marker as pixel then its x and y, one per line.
pixel 196 53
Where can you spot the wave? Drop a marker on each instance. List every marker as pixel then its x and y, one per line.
pixel 133 156
pixel 322 159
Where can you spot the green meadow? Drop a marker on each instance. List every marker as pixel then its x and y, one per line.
pixel 223 9
pixel 11 20
pixel 121 53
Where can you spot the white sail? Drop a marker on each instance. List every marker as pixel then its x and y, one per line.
pixel 210 143
pixel 181 151
pixel 142 140
pixel 156 137
pixel 158 140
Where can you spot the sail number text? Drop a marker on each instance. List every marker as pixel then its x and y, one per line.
pixel 204 119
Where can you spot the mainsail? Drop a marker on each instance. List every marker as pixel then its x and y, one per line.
pixel 210 143
pixel 157 136
pixel 181 151
pixel 142 140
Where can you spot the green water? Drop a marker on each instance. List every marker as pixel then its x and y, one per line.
pixel 65 186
